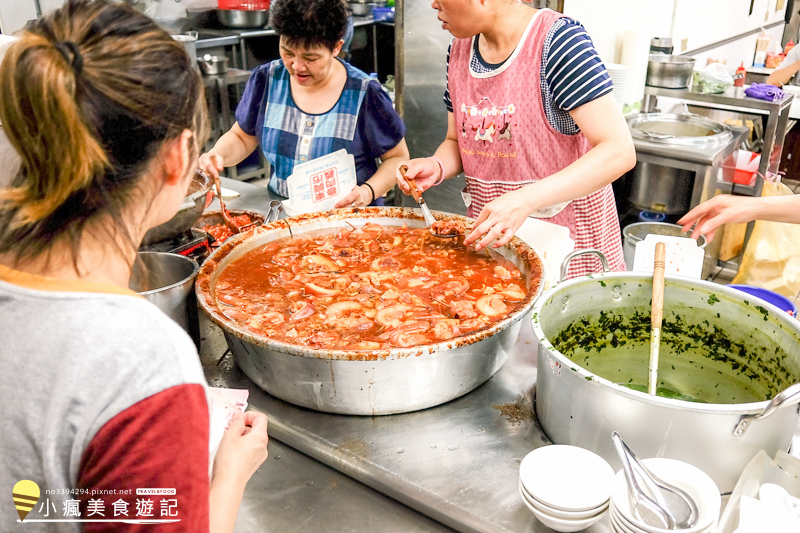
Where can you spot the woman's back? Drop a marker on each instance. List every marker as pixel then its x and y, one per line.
pixel 97 379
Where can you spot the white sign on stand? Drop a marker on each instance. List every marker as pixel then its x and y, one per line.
pixel 683 257
pixel 318 184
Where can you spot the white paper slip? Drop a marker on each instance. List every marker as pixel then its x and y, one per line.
pixel 318 184
pixel 551 241
pixel 683 257
pixel 225 403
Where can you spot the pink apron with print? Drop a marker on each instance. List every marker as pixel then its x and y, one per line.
pixel 506 143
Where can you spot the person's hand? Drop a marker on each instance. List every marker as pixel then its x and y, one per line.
pixel 722 209
pixel 424 171
pixel 498 221
pixel 359 197
pixel 211 164
pixel 242 450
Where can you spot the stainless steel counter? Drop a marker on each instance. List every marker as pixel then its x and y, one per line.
pixel 456 464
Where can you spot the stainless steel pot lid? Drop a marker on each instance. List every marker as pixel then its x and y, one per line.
pixel 678 129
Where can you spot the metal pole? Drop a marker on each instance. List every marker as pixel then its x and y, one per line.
pixel 399 64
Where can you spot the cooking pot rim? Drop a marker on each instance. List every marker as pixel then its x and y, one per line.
pixel 204 292
pixel 165 288
pixel 567 363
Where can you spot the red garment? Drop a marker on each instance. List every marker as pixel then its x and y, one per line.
pixel 159 442
pixel 506 142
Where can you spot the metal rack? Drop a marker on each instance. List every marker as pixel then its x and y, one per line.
pixel 734 99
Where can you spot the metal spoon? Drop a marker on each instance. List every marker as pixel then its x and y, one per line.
pixel 669 506
pixel 429 218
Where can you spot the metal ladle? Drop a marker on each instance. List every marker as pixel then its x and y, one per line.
pixel 429 218
pixel 667 505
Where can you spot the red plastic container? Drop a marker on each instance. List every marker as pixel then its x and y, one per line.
pixel 743 177
pixel 244 5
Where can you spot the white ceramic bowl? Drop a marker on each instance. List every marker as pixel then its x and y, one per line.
pixel 565 477
pixel 560 524
pixel 558 513
pixel 694 481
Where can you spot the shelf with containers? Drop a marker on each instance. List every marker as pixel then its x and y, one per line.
pixel 775 116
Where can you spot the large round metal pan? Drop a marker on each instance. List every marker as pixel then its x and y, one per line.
pixel 368 382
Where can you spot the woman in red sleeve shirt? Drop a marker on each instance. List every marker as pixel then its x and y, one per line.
pixel 103 394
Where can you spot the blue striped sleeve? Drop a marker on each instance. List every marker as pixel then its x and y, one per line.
pixel 448 104
pixel 573 70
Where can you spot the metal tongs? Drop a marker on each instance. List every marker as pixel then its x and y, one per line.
pixel 429 218
pixel 665 505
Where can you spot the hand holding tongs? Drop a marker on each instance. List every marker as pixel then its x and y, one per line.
pixel 225 215
pixel 429 218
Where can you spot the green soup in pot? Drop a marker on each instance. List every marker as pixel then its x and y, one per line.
pixel 701 358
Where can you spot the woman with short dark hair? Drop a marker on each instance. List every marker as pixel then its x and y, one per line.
pixel 308 104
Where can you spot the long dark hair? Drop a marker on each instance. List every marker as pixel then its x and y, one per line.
pixel 88 96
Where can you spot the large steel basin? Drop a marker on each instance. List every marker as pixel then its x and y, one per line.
pixel 366 382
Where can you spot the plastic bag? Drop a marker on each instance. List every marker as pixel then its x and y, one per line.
pixel 771 259
pixel 714 79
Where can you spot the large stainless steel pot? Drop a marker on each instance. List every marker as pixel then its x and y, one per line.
pixel 167 280
pixel 670 71
pixel 369 382
pixel 188 213
pixel 667 186
pixel 576 406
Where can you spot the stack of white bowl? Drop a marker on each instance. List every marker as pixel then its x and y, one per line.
pixel 619 76
pixel 691 479
pixel 566 487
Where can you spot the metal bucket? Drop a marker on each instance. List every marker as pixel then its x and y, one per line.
pixel 670 71
pixel 167 281
pixel 715 340
pixel 633 233
pixel 189 42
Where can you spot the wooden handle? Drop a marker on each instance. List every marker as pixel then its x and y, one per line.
pixel 657 309
pixel 411 184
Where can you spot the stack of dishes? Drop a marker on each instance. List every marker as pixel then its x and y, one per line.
pixel 566 487
pixel 691 479
pixel 619 77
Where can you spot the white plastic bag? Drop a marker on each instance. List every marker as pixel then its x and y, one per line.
pixel 715 79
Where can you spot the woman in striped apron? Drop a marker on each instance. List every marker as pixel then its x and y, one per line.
pixel 308 104
pixel 532 124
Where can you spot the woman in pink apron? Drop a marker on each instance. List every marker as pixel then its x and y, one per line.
pixel 532 124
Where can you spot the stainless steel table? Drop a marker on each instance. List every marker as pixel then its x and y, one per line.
pixel 456 464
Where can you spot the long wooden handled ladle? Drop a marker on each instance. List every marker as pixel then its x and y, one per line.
pixel 656 311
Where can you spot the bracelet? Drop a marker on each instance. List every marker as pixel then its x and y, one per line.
pixel 371 190
pixel 441 169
